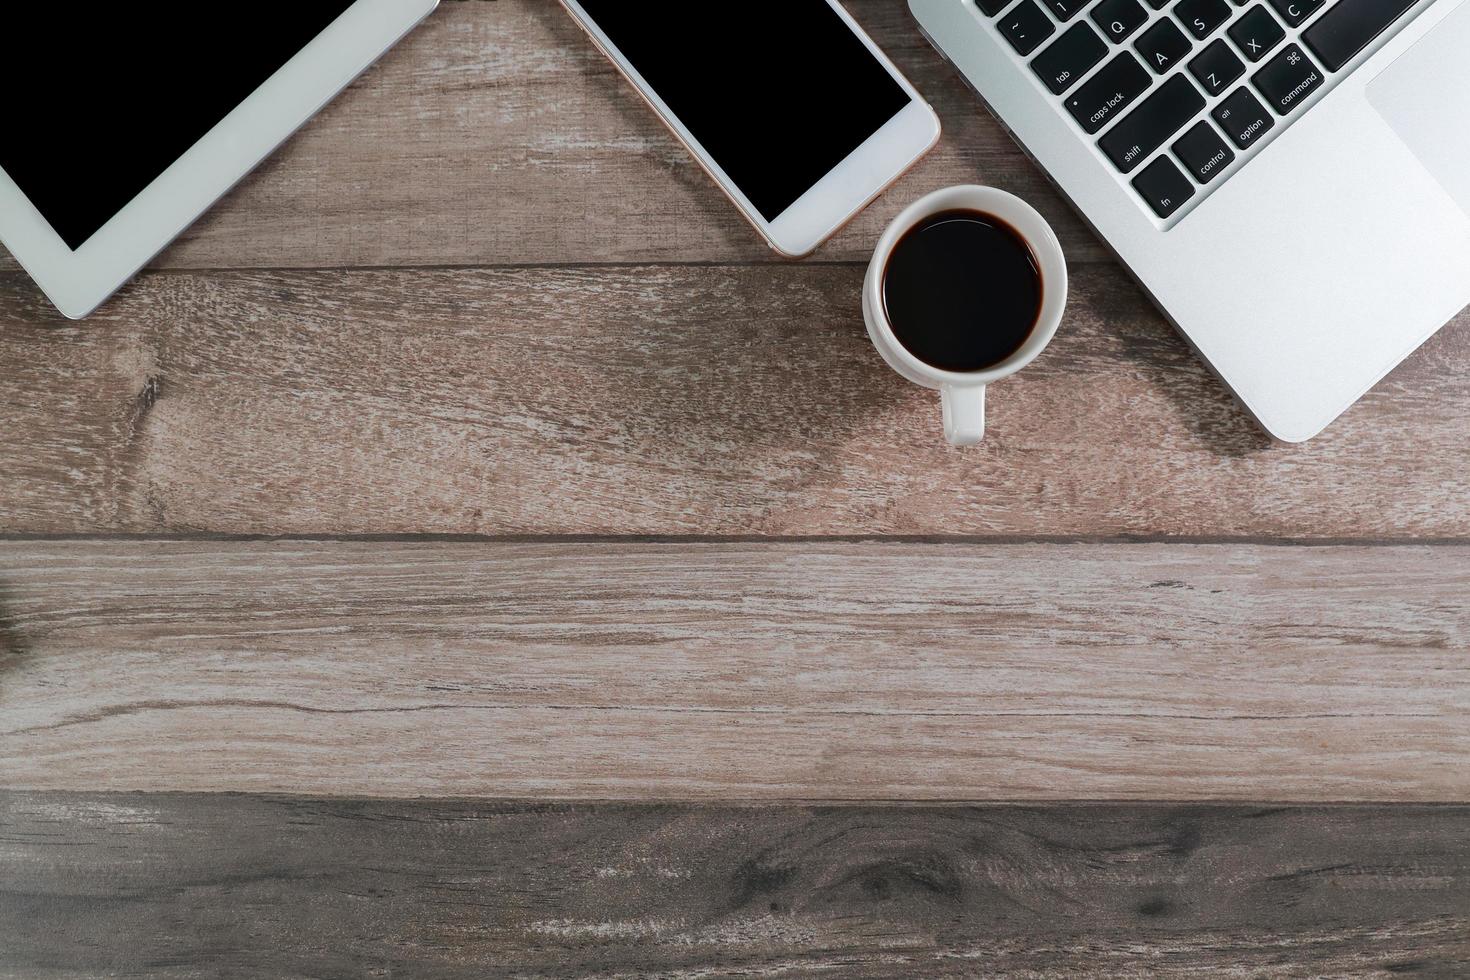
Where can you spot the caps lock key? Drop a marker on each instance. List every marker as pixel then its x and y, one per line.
pixel 1108 92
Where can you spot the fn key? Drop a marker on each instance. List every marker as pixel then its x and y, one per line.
pixel 1163 186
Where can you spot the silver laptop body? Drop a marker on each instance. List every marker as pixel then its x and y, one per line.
pixel 1305 236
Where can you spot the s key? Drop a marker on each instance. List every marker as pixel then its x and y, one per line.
pixel 1202 17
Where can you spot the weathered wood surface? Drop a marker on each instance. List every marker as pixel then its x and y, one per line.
pixel 806 670
pixel 736 399
pixel 496 134
pixel 663 400
pixel 185 886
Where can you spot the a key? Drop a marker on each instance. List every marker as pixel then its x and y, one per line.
pixel 1350 27
pixel 1163 187
pixel 1109 92
pixel 1294 12
pixel 1152 123
pixel 1203 152
pixel 1119 18
pixel 1065 10
pixel 1288 79
pixel 1202 17
pixel 991 7
pixel 1069 57
pixel 1025 26
pixel 1243 117
pixel 1162 45
pixel 1256 33
pixel 1216 67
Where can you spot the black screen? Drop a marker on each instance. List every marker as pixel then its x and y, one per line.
pixel 101 98
pixel 778 91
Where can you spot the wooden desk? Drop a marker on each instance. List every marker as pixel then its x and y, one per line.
pixel 472 477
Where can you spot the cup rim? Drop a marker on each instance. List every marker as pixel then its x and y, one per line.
pixel 1038 235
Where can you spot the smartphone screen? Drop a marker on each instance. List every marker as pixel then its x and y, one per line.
pixel 778 92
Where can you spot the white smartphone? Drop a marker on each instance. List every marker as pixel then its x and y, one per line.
pixel 789 106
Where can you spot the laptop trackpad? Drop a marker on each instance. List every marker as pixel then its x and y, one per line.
pixel 1425 97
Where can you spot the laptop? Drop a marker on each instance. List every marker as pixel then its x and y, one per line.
pixel 1289 180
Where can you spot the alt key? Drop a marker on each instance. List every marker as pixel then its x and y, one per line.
pixel 1163 186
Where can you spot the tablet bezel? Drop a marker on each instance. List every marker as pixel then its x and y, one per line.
pixel 77 282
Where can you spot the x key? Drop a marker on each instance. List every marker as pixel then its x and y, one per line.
pixel 1256 33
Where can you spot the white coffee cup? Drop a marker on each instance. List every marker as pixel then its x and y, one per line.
pixel 962 393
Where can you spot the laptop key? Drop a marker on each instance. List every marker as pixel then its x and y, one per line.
pixel 1202 17
pixel 1294 12
pixel 1243 117
pixel 1350 27
pixel 1152 123
pixel 1119 18
pixel 1216 67
pixel 1204 152
pixel 991 7
pixel 1256 33
pixel 1108 93
pixel 1065 10
pixel 1163 187
pixel 1069 57
pixel 1025 26
pixel 1288 79
pixel 1162 45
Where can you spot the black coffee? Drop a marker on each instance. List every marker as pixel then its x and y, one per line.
pixel 962 290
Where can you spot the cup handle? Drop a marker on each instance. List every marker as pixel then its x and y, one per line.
pixel 964 414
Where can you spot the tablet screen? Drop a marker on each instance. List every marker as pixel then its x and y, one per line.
pixel 98 100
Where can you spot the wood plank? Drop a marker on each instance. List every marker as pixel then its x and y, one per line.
pixel 179 886
pixel 804 670
pixel 690 400
pixel 496 134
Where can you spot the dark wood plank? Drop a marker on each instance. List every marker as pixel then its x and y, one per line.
pixel 496 134
pixel 802 670
pixel 184 886
pixel 661 400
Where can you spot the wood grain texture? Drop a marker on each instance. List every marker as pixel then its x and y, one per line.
pixel 188 886
pixel 496 134
pixel 663 400
pixel 807 670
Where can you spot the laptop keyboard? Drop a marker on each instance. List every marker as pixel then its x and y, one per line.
pixel 1176 94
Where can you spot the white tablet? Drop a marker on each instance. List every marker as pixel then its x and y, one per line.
pixel 124 122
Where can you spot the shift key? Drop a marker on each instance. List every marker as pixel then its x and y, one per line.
pixel 1109 92
pixel 1151 125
